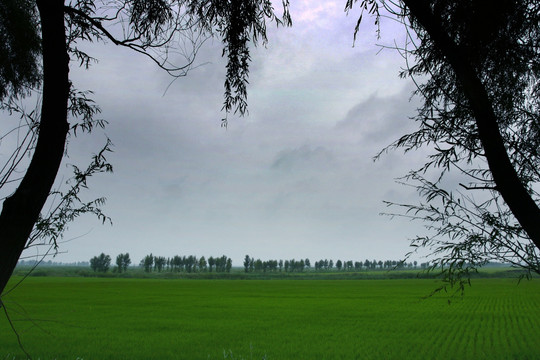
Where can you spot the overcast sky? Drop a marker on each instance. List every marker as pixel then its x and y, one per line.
pixel 294 179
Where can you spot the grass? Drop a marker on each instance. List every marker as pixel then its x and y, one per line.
pixel 113 318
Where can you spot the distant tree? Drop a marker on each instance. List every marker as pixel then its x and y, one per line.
pixel 228 265
pixel 176 263
pixel 221 264
pixel 246 263
pixel 330 264
pixel 119 260
pixel 202 264
pixel 357 265
pixel 280 264
pixel 211 263
pixel 122 262
pixel 307 263
pixel 191 263
pixel 159 263
pixel 339 265
pixel 147 263
pixel 287 265
pixel 258 265
pixel 100 263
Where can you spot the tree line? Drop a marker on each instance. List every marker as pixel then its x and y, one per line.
pixel 151 263
pixel 102 263
pixel 189 264
pixel 257 265
pixel 223 264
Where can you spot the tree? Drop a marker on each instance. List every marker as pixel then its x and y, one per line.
pixel 100 263
pixel 122 262
pixel 258 265
pixel 211 263
pixel 159 263
pixel 149 27
pixel 202 264
pixel 339 264
pixel 246 263
pixel 147 262
pixel 476 67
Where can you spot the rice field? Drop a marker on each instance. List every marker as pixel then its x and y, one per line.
pixel 96 318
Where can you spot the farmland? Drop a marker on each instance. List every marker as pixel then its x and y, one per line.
pixel 115 318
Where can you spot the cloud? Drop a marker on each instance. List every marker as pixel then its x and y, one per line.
pixel 293 179
pixel 381 119
pixel 303 158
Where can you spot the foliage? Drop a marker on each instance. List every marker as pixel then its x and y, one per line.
pixel 122 262
pixel 154 28
pixel 188 264
pixel 238 23
pixel 20 48
pixel 469 223
pixel 147 263
pixel 100 263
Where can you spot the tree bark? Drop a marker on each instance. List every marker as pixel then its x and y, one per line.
pixel 505 176
pixel 21 210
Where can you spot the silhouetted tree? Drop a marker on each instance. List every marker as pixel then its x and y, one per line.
pixel 475 66
pixel 149 26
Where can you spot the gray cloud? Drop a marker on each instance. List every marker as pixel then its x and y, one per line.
pixel 293 179
pixel 303 158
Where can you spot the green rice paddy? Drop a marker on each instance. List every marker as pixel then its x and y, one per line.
pixel 112 318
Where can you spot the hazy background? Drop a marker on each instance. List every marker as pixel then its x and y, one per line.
pixel 294 179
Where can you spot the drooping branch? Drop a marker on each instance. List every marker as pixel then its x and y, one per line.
pixel 138 45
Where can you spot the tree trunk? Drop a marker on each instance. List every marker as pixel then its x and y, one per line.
pixel 21 210
pixel 506 179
